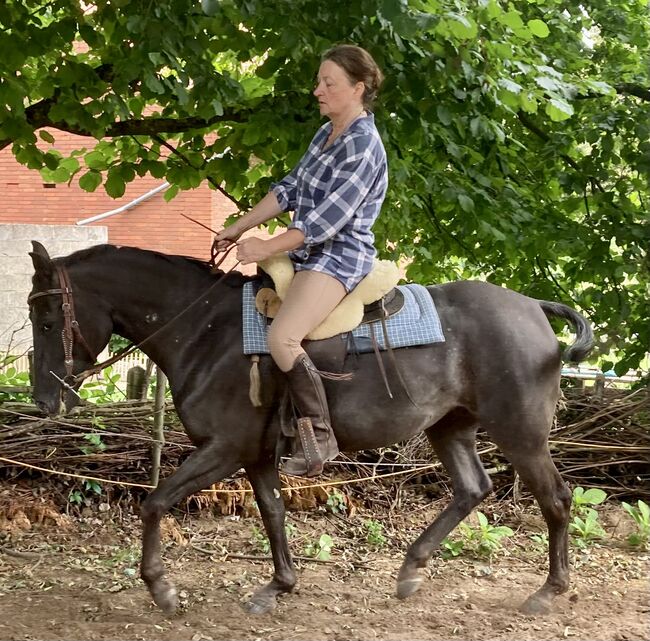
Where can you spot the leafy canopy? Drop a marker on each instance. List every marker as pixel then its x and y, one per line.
pixel 518 134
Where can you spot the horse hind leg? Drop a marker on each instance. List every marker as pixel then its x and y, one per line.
pixel 454 441
pixel 529 454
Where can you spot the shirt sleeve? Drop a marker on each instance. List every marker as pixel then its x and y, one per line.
pixel 286 190
pixel 353 177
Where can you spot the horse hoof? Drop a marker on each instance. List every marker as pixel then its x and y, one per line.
pixel 535 605
pixel 260 604
pixel 407 587
pixel 165 598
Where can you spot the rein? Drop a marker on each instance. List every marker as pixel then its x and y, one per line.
pixel 71 325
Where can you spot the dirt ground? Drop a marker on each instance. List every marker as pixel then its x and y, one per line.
pixel 77 578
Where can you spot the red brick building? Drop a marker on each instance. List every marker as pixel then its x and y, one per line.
pixel 151 224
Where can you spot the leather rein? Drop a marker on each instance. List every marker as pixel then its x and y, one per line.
pixel 71 329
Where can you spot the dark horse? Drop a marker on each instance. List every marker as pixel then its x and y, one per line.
pixel 499 369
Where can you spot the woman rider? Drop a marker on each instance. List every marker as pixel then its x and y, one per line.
pixel 336 192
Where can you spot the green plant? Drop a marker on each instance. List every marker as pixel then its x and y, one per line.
pixel 451 548
pixel 320 549
pixel 375 533
pixel 261 541
pixel 78 496
pixel 641 516
pixel 336 502
pixel 484 540
pixel 584 527
pixel 104 390
pixel 540 540
pixel 583 500
pixel 11 377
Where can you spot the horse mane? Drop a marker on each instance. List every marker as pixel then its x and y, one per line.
pixel 234 279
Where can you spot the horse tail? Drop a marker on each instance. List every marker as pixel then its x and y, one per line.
pixel 584 342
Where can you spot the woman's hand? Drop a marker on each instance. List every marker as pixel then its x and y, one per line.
pixel 253 250
pixel 227 237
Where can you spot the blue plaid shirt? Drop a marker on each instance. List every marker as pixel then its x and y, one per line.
pixel 336 195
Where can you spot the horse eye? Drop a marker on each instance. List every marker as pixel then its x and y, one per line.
pixel 46 327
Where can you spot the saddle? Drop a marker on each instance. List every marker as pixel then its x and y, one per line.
pixel 375 298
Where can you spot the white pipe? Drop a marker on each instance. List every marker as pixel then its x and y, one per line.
pixel 126 207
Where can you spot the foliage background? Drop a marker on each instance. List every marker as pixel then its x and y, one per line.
pixel 517 132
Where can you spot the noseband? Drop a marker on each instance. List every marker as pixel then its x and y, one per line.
pixel 70 325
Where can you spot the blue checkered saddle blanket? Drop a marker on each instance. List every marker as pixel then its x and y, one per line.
pixel 417 323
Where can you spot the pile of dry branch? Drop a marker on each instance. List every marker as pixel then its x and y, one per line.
pixel 601 441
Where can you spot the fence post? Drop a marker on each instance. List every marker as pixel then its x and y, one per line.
pixel 158 425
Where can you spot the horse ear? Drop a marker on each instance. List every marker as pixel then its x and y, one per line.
pixel 41 259
pixel 40 249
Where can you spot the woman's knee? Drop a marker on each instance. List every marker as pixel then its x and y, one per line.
pixel 283 347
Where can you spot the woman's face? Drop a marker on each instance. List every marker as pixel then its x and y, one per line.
pixel 336 94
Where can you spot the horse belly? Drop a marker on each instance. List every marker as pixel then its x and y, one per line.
pixel 364 416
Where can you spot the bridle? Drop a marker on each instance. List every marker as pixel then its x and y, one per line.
pixel 71 327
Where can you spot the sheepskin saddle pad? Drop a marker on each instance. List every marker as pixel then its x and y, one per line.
pixel 411 320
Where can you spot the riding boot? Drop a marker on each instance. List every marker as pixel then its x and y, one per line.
pixel 308 396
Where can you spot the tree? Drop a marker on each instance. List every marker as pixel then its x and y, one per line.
pixel 518 134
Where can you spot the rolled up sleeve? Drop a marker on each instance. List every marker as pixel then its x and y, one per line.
pixel 352 179
pixel 286 190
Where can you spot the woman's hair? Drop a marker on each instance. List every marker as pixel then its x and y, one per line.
pixel 359 65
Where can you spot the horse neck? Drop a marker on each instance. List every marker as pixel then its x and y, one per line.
pixel 143 292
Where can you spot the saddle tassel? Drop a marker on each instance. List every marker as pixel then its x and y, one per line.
pixel 255 388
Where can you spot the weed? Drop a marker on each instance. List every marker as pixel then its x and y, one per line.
pixel 375 533
pixel 483 541
pixel 261 541
pixel 641 516
pixel 336 503
pixel 584 527
pixel 320 549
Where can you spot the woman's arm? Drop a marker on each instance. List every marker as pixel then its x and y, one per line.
pixel 265 209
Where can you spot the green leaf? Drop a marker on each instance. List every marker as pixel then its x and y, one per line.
pixel 210 7
pixel 594 496
pixel 171 193
pixel 558 109
pixel 114 185
pixel 538 28
pixel 466 203
pixel 96 160
pixel 90 180
pixel 46 136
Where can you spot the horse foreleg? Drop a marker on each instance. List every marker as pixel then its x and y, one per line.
pixel 266 484
pixel 201 469
pixel 455 446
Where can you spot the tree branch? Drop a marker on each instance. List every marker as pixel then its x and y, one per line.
pixel 186 160
pixel 624 88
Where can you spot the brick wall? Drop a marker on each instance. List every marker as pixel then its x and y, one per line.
pixel 153 224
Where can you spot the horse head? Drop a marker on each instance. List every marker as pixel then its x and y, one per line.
pixel 68 332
